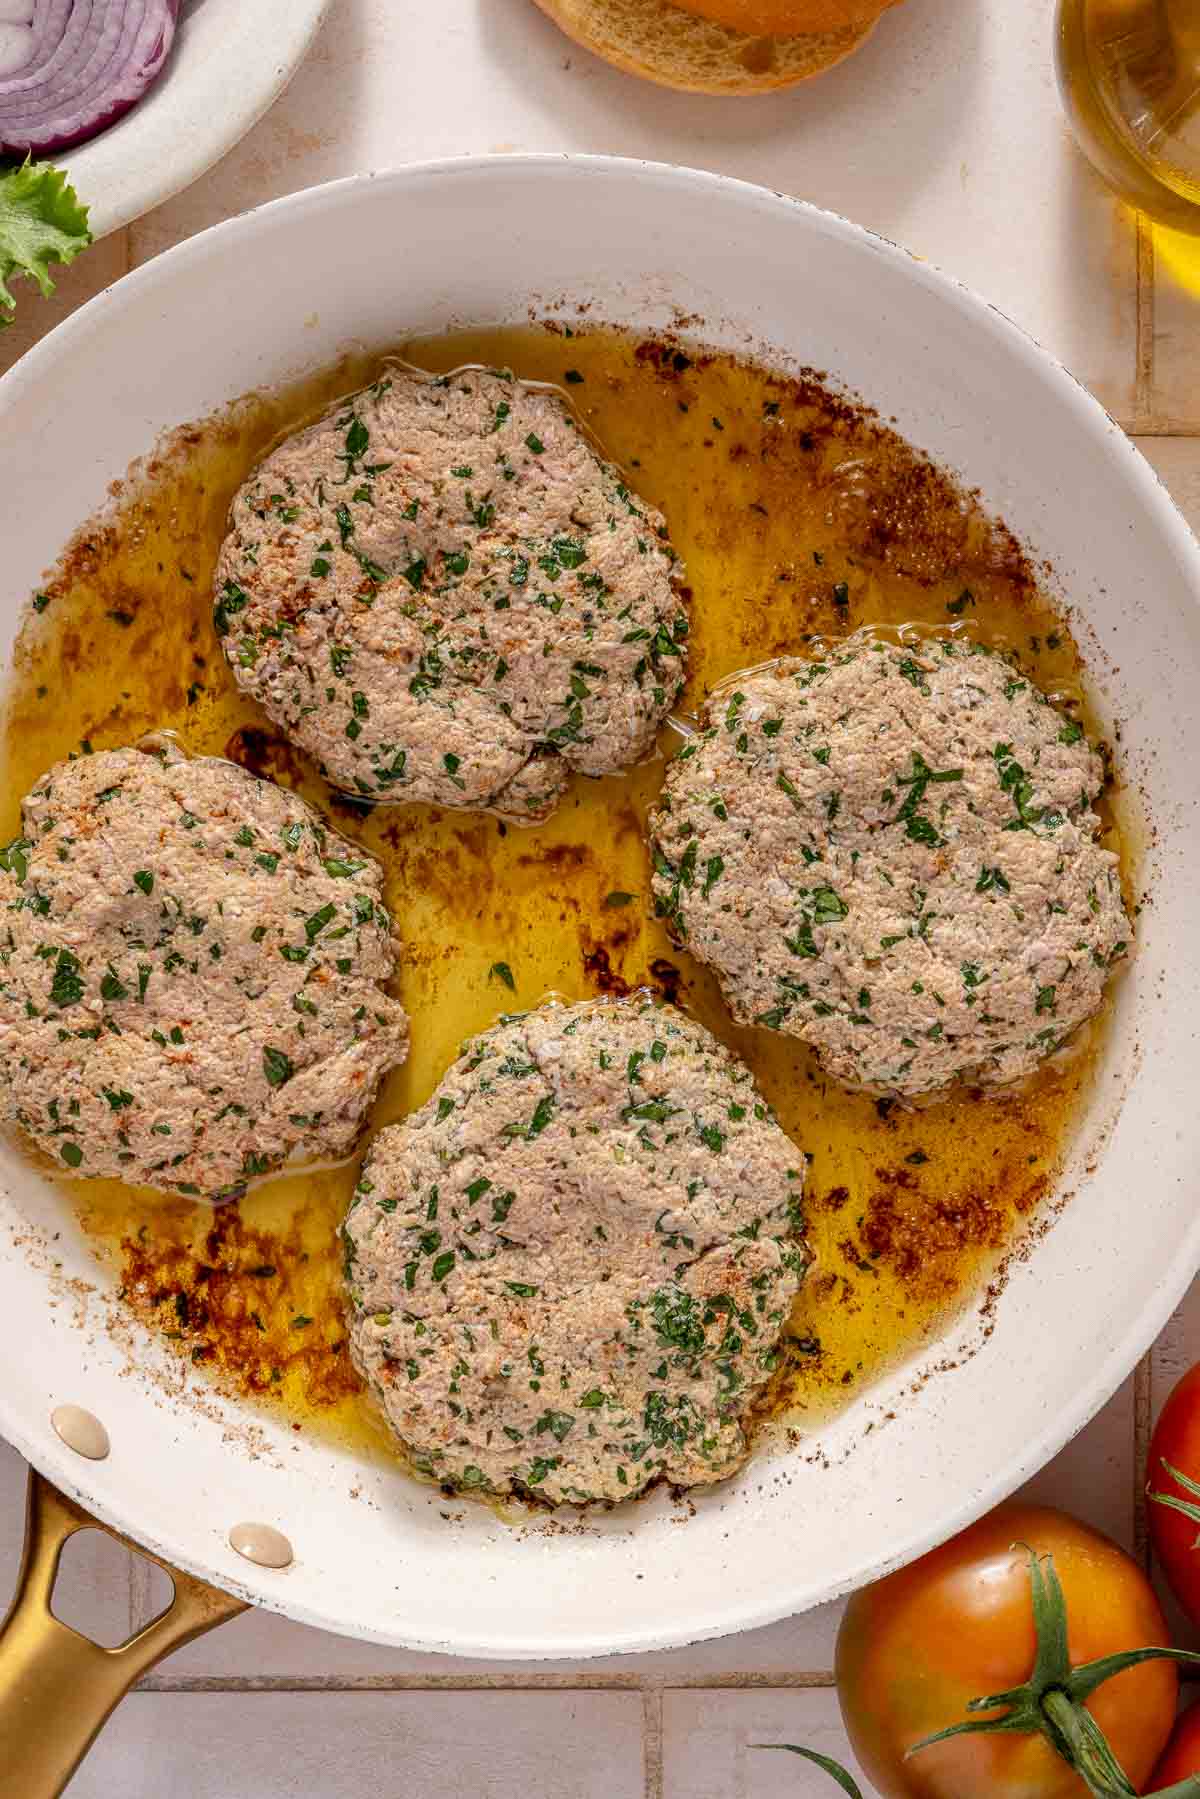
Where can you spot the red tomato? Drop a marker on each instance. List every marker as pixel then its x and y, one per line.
pixel 958 1625
pixel 1183 1752
pixel 1176 1440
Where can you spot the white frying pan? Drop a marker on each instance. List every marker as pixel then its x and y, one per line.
pixel 265 297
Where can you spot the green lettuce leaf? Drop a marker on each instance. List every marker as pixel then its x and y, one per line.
pixel 41 221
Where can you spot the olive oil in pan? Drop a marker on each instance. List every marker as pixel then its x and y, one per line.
pixel 797 514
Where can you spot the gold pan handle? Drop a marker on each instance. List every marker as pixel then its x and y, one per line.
pixel 57 1688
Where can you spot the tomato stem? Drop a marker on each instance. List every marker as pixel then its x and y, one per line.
pixel 1051 1703
pixel 1080 1740
pixel 1178 1505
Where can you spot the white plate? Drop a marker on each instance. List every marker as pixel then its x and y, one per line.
pixel 266 296
pixel 231 59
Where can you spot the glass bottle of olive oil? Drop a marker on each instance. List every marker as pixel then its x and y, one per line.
pixel 1129 71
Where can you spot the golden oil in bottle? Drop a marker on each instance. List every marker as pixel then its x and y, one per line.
pixel 1129 72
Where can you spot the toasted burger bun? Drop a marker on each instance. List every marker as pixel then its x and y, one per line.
pixel 786 18
pixel 659 41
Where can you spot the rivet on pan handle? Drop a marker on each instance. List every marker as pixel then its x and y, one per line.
pixel 57 1689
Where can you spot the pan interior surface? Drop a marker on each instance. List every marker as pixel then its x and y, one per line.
pixel 264 300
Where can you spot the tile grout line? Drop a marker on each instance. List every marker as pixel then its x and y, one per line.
pixel 652 1741
pixel 650 1686
pixel 1143 401
pixel 1143 1408
pixel 134 1602
pixel 140 1607
pixel 1184 430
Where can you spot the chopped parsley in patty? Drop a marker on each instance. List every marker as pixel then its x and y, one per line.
pixel 892 853
pixel 444 593
pixel 192 974
pixel 570 1270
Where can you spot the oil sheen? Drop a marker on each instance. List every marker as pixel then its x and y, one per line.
pixel 798 514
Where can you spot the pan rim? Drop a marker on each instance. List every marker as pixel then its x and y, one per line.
pixel 1121 1356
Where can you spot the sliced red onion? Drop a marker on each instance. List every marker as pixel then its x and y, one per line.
pixel 69 68
pixel 16 38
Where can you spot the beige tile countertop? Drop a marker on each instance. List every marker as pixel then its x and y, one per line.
pixel 944 133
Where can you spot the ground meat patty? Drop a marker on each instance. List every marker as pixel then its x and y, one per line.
pixel 191 978
pixel 569 1270
pixel 444 593
pixel 891 852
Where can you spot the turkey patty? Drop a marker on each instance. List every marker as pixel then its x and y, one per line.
pixel 191 981
pixel 444 593
pixel 891 852
pixel 569 1270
